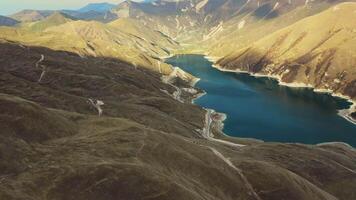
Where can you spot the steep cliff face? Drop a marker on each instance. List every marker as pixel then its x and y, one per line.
pixel 318 51
pixel 145 144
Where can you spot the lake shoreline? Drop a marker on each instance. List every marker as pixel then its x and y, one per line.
pixel 218 119
pixel 345 113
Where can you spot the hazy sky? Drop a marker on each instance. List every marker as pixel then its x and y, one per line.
pixel 12 6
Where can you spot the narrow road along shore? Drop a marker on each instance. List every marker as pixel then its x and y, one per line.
pixel 207 134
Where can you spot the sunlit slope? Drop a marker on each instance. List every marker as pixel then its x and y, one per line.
pixel 55 19
pixel 220 27
pixel 171 18
pixel 120 39
pixel 31 15
pixel 140 31
pixel 319 51
pixel 98 39
pixel 254 21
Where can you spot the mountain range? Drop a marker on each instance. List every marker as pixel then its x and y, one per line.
pixel 126 39
pixel 92 11
pixel 226 28
pixel 320 55
pixel 90 110
pixel 98 7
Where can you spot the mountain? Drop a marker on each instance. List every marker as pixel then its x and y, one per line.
pixel 213 21
pixel 127 152
pixel 97 39
pixel 7 21
pixel 317 51
pixel 137 29
pixel 94 11
pixel 55 19
pixel 250 25
pixel 98 7
pixel 160 15
pixel 126 39
pixel 92 15
pixel 90 111
pixel 31 15
pixel 226 29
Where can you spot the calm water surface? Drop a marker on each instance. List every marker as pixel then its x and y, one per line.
pixel 260 108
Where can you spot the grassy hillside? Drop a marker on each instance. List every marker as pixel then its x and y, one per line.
pixel 55 19
pixel 145 144
pixel 31 15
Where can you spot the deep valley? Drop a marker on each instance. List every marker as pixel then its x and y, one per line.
pixel 95 106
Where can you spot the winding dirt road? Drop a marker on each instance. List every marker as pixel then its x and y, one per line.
pixel 239 171
pixel 43 67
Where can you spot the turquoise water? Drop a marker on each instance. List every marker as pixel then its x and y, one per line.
pixel 260 108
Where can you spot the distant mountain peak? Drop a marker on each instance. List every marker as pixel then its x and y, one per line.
pixel 55 19
pixel 60 15
pixel 31 15
pixel 98 7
